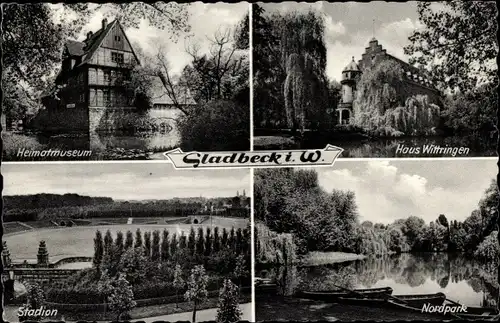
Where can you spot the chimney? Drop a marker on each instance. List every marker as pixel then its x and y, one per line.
pixel 104 23
pixel 89 34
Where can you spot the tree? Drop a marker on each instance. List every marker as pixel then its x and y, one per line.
pixel 182 242
pixel 216 240
pixel 412 228
pixel 147 244
pixel 192 242
pixel 129 240
pixel 121 299
pixel 98 249
pixel 223 62
pixel 138 239
pixel 367 224
pixel 200 243
pixel 208 243
pixel 459 57
pixel 228 310
pixel 197 288
pixel 178 282
pixel 155 248
pixel 224 239
pixel 289 55
pixel 165 246
pixel 108 241
pixel 173 246
pixel 105 285
pixel 119 241
pixel 217 125
pixel 133 265
pixel 240 270
pixel 232 239
pixel 35 299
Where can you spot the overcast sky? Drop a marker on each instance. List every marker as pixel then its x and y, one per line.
pixel 204 19
pixel 390 190
pixel 133 181
pixel 349 27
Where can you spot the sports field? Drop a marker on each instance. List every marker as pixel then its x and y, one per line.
pixel 79 241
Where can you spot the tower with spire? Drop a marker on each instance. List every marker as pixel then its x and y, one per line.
pixel 350 75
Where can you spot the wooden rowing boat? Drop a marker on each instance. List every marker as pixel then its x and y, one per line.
pixel 472 313
pixel 476 313
pixel 330 296
pixel 412 301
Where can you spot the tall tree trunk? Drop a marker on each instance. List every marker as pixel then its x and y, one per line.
pixel 194 313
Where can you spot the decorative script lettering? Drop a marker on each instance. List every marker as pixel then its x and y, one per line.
pixel 245 159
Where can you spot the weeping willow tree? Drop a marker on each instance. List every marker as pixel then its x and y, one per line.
pixel 273 248
pixel 385 106
pixel 290 66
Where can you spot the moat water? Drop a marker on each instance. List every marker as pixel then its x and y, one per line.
pixel 385 147
pixel 99 143
pixel 462 279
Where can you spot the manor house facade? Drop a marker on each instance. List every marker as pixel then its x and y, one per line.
pixel 417 83
pixel 90 87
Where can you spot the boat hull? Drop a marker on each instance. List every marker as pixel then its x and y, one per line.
pixel 412 301
pixel 332 296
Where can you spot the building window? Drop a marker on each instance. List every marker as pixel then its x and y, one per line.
pixel 117 57
pixel 92 98
pixel 100 98
pixel 117 38
pixel 92 76
pixel 107 76
pixel 106 98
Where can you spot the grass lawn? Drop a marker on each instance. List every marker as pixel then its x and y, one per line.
pixel 79 241
pixel 151 311
pixel 14 227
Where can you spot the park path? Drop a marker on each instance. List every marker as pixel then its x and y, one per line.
pixel 201 316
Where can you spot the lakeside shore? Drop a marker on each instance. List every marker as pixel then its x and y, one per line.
pixel 317 258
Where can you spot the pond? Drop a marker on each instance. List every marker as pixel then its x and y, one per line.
pixel 102 144
pixel 381 147
pixel 460 278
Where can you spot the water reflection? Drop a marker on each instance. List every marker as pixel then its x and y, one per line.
pixel 387 147
pixel 461 279
pixel 101 142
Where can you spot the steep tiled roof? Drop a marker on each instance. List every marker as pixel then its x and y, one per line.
pixel 75 48
pixel 92 44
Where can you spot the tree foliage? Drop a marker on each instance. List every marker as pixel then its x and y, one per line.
pixel 290 201
pixel 228 310
pixel 121 298
pixel 98 249
pixel 197 288
pixel 217 125
pixel 457 43
pixel 384 105
pixel 289 66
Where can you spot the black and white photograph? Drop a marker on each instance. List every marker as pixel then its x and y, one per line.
pixel 116 81
pixel 377 240
pixel 97 242
pixel 378 79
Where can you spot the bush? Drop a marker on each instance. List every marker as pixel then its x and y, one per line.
pixel 216 126
pixel 488 250
pixel 12 143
